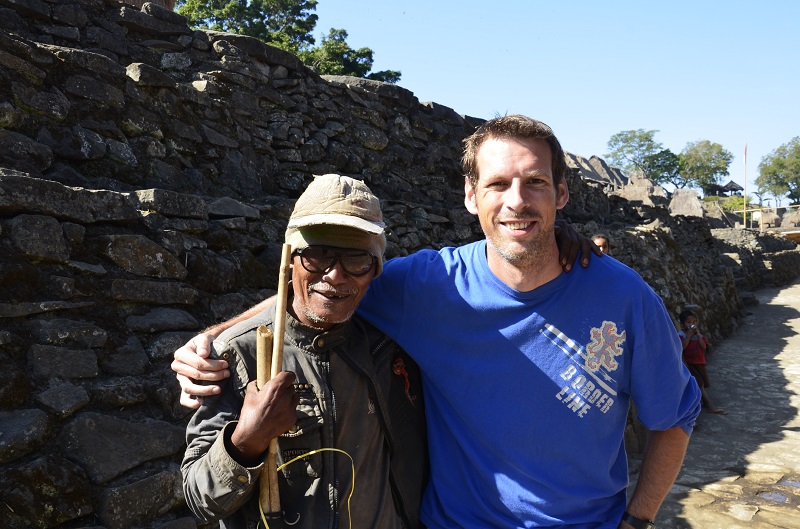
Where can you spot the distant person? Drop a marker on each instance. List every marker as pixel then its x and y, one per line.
pixel 528 371
pixel 695 346
pixel 602 242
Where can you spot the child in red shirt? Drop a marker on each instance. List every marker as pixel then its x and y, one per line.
pixel 695 346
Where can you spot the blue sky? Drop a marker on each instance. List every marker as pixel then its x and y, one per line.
pixel 725 71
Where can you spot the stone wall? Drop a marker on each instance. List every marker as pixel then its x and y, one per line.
pixel 758 260
pixel 147 172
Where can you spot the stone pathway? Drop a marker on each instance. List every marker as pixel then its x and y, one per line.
pixel 742 470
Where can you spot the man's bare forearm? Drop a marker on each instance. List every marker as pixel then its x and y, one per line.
pixel 216 329
pixel 663 457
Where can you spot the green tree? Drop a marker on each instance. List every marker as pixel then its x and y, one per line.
pixel 289 25
pixel 780 171
pixel 335 57
pixel 665 167
pixel 285 24
pixel 704 163
pixel 630 149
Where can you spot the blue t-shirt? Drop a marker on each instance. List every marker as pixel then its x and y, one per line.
pixel 527 393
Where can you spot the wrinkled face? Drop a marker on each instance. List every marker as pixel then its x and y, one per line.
pixel 323 299
pixel 516 199
pixel 602 243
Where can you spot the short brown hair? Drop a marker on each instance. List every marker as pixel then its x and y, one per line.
pixel 513 126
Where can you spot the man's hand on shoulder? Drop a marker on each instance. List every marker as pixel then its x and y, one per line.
pixel 192 364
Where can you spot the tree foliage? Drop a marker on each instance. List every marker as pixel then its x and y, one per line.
pixel 664 167
pixel 335 57
pixel 289 25
pixel 285 24
pixel 780 171
pixel 704 163
pixel 630 149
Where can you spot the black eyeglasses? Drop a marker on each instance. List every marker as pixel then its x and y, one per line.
pixel 321 259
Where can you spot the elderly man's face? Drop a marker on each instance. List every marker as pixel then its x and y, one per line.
pixel 330 296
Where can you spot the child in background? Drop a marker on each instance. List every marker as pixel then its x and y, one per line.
pixel 694 355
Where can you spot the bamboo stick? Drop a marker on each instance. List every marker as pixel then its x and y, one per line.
pixel 264 340
pixel 277 364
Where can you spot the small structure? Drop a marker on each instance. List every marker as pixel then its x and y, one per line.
pixel 732 188
pixel 713 190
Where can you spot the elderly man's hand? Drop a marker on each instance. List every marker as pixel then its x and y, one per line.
pixel 571 243
pixel 266 413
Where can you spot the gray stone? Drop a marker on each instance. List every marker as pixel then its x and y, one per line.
pixel 371 138
pixel 176 61
pixel 162 13
pixel 162 319
pixel 74 143
pixel 140 21
pixel 152 292
pixel 22 66
pixel 145 75
pixel 215 138
pixel 119 392
pixel 229 305
pixel 686 202
pixel 172 204
pixel 167 343
pixel 70 14
pixel 121 507
pixel 229 207
pixel 51 198
pixel 89 61
pixel 47 362
pixel 122 152
pixel 107 40
pixel 93 269
pixel 59 331
pixel 129 359
pixel 17 310
pixel 212 272
pixel 14 385
pixel 20 151
pixel 94 90
pixel 140 256
pixel 46 492
pixel 9 115
pixel 89 438
pixel 63 399
pixel 65 33
pixel 24 431
pixel 39 237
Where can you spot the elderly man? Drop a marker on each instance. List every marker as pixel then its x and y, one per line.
pixel 345 386
pixel 529 371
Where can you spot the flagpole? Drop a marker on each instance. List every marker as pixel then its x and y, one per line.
pixel 745 186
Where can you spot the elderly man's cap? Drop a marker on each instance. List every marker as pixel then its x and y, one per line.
pixel 333 199
pixel 339 211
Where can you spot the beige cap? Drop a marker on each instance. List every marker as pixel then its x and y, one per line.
pixel 344 202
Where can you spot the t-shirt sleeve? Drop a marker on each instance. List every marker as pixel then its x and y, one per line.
pixel 664 391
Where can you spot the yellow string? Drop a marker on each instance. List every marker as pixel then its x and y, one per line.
pixel 311 453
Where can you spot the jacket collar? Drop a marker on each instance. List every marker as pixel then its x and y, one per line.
pixel 316 340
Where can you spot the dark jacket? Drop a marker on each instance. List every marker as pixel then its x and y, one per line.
pixel 218 488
